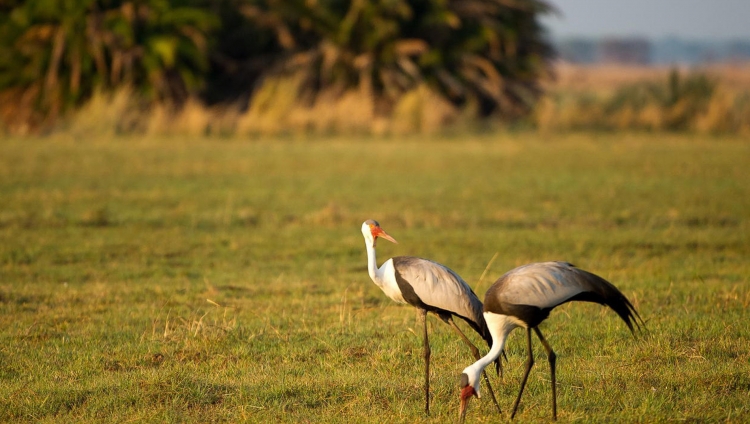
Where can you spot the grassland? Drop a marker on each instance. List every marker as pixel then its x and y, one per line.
pixel 208 280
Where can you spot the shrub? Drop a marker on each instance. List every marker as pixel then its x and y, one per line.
pixel 680 102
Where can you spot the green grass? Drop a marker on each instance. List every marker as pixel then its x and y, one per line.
pixel 214 280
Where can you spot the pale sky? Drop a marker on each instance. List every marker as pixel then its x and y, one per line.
pixel 690 19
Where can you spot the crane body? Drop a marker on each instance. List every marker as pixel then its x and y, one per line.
pixel 524 297
pixel 429 287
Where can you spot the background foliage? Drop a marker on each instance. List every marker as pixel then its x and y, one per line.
pixel 57 54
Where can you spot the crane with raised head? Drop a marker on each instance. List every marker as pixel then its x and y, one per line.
pixel 524 297
pixel 429 287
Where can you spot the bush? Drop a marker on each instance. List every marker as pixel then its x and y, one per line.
pixel 681 102
pixel 488 54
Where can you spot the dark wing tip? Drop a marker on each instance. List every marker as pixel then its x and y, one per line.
pixel 611 296
pixel 622 306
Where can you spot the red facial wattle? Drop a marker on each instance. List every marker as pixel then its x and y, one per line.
pixel 467 392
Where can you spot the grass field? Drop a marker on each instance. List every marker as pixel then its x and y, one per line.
pixel 210 280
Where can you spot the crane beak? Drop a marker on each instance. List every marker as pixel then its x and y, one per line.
pixel 385 235
pixel 462 411
pixel 466 395
pixel 378 232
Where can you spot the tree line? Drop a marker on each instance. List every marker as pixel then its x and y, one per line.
pixel 55 54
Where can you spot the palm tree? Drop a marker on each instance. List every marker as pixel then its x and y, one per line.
pixel 44 59
pixel 158 47
pixel 491 52
pixel 54 53
pixel 496 54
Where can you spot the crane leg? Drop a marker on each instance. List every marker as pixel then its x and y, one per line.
pixel 426 353
pixel 529 364
pixel 475 352
pixel 552 359
pixel 499 365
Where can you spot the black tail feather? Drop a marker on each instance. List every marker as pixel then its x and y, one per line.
pixel 605 293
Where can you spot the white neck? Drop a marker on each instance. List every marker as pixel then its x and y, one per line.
pixel 475 370
pixel 500 326
pixel 383 277
pixel 372 263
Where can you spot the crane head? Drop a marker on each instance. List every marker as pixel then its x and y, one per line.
pixel 468 390
pixel 371 231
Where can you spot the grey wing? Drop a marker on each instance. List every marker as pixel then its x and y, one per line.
pixel 438 287
pixel 543 284
pixel 548 284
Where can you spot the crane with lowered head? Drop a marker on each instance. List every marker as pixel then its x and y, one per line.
pixel 523 297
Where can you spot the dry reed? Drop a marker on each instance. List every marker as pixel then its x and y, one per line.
pixel 707 100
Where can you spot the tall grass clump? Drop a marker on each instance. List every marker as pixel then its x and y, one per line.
pixel 274 110
pixel 683 101
pixel 107 114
